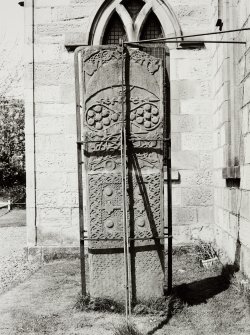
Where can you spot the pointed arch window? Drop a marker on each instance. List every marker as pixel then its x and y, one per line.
pixel 114 31
pixel 152 29
pixel 137 18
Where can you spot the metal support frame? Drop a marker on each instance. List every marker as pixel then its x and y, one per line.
pixel 176 38
pixel 79 167
pixel 124 188
pixel 166 140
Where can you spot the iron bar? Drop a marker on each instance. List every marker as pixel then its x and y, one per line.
pixel 96 141
pixel 130 238
pixel 187 42
pixel 34 119
pixel 168 160
pixel 149 139
pixel 187 36
pixel 124 192
pixel 79 166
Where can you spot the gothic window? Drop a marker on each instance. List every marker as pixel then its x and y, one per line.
pixel 114 31
pixel 132 20
pixel 152 29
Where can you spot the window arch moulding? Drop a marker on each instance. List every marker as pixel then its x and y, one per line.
pixel 161 8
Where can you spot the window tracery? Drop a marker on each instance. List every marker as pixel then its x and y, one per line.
pixel 133 7
pixel 133 15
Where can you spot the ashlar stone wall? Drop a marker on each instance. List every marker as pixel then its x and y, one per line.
pixel 231 69
pixel 52 197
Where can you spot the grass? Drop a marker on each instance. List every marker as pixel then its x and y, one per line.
pixel 126 329
pixel 204 301
pixel 87 304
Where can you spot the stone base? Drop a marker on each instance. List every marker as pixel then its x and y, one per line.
pixel 47 254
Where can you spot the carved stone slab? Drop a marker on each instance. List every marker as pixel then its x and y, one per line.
pixel 102 122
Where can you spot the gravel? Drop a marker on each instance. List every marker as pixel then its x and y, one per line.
pixel 14 264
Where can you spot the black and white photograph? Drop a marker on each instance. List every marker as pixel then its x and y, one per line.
pixel 125 167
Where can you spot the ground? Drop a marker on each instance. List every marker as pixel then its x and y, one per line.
pixel 44 304
pixel 14 265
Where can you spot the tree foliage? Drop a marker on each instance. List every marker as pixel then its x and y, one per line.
pixel 12 144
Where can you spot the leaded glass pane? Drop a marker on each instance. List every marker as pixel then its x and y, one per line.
pixel 152 29
pixel 114 31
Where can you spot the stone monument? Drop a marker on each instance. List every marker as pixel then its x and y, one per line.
pixel 129 81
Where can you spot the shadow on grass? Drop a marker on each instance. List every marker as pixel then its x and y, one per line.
pixel 196 293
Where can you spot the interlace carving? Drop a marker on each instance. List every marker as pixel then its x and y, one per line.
pixel 142 58
pixel 94 59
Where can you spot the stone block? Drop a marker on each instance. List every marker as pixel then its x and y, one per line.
pixel 244 204
pixel 181 235
pixel 192 141
pixel 51 181
pixel 70 142
pixel 206 160
pixel 51 143
pixel 245 121
pixel 175 107
pixel 197 196
pixel 54 29
pixel 67 199
pixel 47 94
pixel 70 236
pixel 51 162
pixel 67 94
pixel 183 89
pixel 48 3
pixel 193 15
pixel 73 39
pixel 43 15
pixel 61 110
pixel 53 218
pixel 52 253
pixel 187 69
pixel 229 245
pixel 204 123
pixel 176 141
pixel 183 123
pixel 245 232
pixel 70 127
pixel 233 226
pixel 245 177
pixel 196 177
pixel 176 196
pixel 49 125
pixel 54 74
pixel 47 52
pixel 196 107
pixel 218 196
pixel 247 148
pixel 245 260
pixel 67 13
pixel 205 215
pixel 75 218
pixel 185 160
pixel 30 218
pixel 48 235
pixel 46 198
pixel 202 232
pixel 184 215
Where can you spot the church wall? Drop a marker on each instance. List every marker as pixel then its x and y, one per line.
pixel 55 160
pixel 231 139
